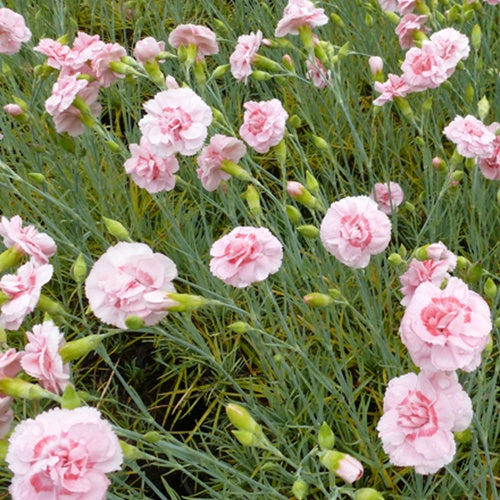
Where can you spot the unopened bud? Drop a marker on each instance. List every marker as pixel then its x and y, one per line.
pixel 239 327
pixel 427 104
pixel 261 76
pixel 463 263
pixel 368 20
pixel 368 494
pixel 320 143
pixel 457 176
pixel 293 214
pixel 288 63
pixel 37 178
pixel 317 300
pixel 404 106
pixel 70 399
pixel 9 258
pixel 421 253
pixel 295 121
pixel 311 182
pixel 337 20
pixel 220 71
pixel 342 465
pixel 76 349
pixel 267 64
pixel 490 289
pixel 299 489
pixel 469 93
pixel 463 437
pixel 280 152
pixel 50 306
pixel 116 229
pixel 395 259
pixel 475 273
pixel 235 170
pixel 392 17
pixel 253 200
pixel 326 438
pixel 475 36
pixel 308 231
pixel 483 108
pixel 241 419
pixel 113 146
pixel 152 436
pixel 301 194
pixel 19 388
pixel 439 164
pixel 185 302
pixel 245 438
pixel 79 269
pixel 130 452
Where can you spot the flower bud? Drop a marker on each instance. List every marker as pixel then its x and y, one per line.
pixel 308 231
pixel 462 263
pixel 300 194
pixel 185 302
pixel 311 182
pixel 392 17
pixel 421 253
pixel 37 178
pixel 427 104
pixel 342 465
pixel 239 327
pixel 483 108
pixel 368 20
pixel 13 110
pixel 299 489
pixel 79 269
pixel 116 229
pixel 287 62
pixel 220 71
pixel 395 259
pixel 280 152
pixel 469 93
pixel 113 146
pixel 245 438
pixel 123 68
pixel 19 388
pixel 267 64
pixel 475 273
pixel 457 175
pixel 253 200
pixel 295 121
pixel 439 164
pixel 490 289
pixel 9 258
pixel 336 19
pixel 367 494
pixel 326 438
pixel 79 348
pixel 334 293
pixel 293 214
pixel 315 299
pixel 463 437
pixel 70 399
pixel 130 452
pixel 475 36
pixel 261 76
pixel 404 107
pixel 152 436
pixel 306 36
pixel 50 306
pixel 241 419
pixel 235 170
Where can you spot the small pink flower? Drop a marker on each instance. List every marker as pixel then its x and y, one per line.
pixel 394 86
pixel 110 52
pixel 64 92
pixel 438 252
pixel 171 82
pixel 246 255
pixel 23 290
pixel 221 148
pixel 421 412
pixel 10 363
pixel 376 65
pixel 241 59
pixel 147 49
pixel 42 360
pixel 294 188
pixel 121 279
pixel 408 25
pixel 471 137
pixel 299 13
pixel 490 165
pixel 263 124
pixel 13 109
pixel 388 196
pixel 149 171
pixel 418 272
pixel 201 37
pixel 349 469
pixel 317 73
pixel 176 122
pixel 423 68
pixel 85 49
pixel 354 229
pixel 446 329
pixel 451 46
pixel 27 240
pixel 55 51
pixel 6 415
pixel 388 5
pixel 63 454
pixel 13 32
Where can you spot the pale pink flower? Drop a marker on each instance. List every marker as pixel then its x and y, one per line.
pixel 147 49
pixel 63 454
pixel 42 360
pixel 394 86
pixel 388 5
pixel 27 240
pixel 10 363
pixel 246 255
pixel 406 6
pixel 439 252
pixel 376 65
pixel 13 31
pixel 294 189
pixel 201 37
pixel 85 49
pixel 176 122
pixel 263 124
pixel 317 73
pixel 64 92
pixel 424 68
pixel 349 469
pixel 149 171
pixel 388 196
pixel 452 46
pixel 55 51
pixel 23 290
pixel 354 229
pixel 299 13
pixel 6 415
pixel 121 279
pixel 490 165
pixel 221 148
pixel 446 329
pixel 110 52
pixel 13 109
pixel 242 58
pixel 171 82
pixel 492 2
pixel 471 137
pixel 421 412
pixel 408 25
pixel 418 272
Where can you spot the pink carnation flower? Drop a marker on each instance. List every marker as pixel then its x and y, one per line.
pixel 42 360
pixel 446 329
pixel 263 124
pixel 317 73
pixel 221 148
pixel 28 240
pixel 63 454
pixel 23 290
pixel 471 137
pixel 424 68
pixel 13 109
pixel 490 165
pixel 388 5
pixel 64 92
pixel 85 49
pixel 404 7
pixel 408 25
pixel 299 13
pixel 451 46
pixel 147 49
pixel 246 255
pixel 439 252
pixel 120 281
pixel 55 51
pixel 388 196
pixel 394 86
pixel 376 64
pixel 149 171
pixel 242 58
pixel 110 52
pixel 13 31
pixel 354 229
pixel 421 412
pixel 176 122
pixel 201 37
pixel 6 415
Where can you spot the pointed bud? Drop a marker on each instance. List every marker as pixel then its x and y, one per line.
pixel 395 259
pixel 261 76
pixel 483 108
pixel 116 229
pixel 299 489
pixel 70 399
pixel 335 293
pixel 342 465
pixel 19 388
pixel 253 200
pixel 308 231
pixel 457 176
pixel 490 289
pixel 199 68
pixel 37 178
pixel 469 93
pixel 392 16
pixel 475 36
pixel 337 20
pixel 79 269
pixel 311 182
pixel 239 327
pixel 241 419
pixel 186 302
pixel 306 36
pixel 295 121
pixel 421 253
pixel 130 452
pixel 235 170
pixel 368 20
pixel 320 143
pixel 152 436
pixel 422 8
pixel 221 27
pixel 475 273
pixel 315 299
pixel 280 152
pixel 267 64
pixel 439 164
pixel 300 194
pixel 220 71
pixel 427 104
pixel 326 438
pixel 404 107
pixel 123 69
pixel 462 263
pixel 50 306
pixel 76 349
pixel 245 438
pixel 367 494
pixel 463 437
pixel 9 258
pixel 293 214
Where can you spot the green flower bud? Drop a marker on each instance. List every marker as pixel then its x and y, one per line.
pixel 221 27
pixel 295 121
pixel 457 176
pixel 395 259
pixel 469 93
pixel 306 36
pixel 113 146
pixel 79 269
pixel 130 452
pixel 9 258
pixel 116 229
pixel 320 143
pixel 299 489
pixel 427 104
pixel 311 182
pixel 344 50
pixel 185 302
pixel 123 69
pixel 267 64
pixel 280 152
pixel 261 76
pixel 335 293
pixel 317 300
pixel 404 107
pixel 308 231
pixel 70 399
pixel 79 348
pixel 37 178
pixel 483 108
pixel 475 273
pixel 50 306
pixel 253 200
pixel 490 289
pixel 475 36
pixel 241 419
pixel 19 388
pixel 368 20
pixel 463 437
pixel 235 170
pixel 245 438
pixel 454 14
pixel 326 438
pixel 239 327
pixel 220 71
pixel 336 19
pixel 462 263
pixel 199 68
pixel 421 253
pixel 392 16
pixel 288 63
pixel 152 436
pixel 293 214
pixel 367 494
